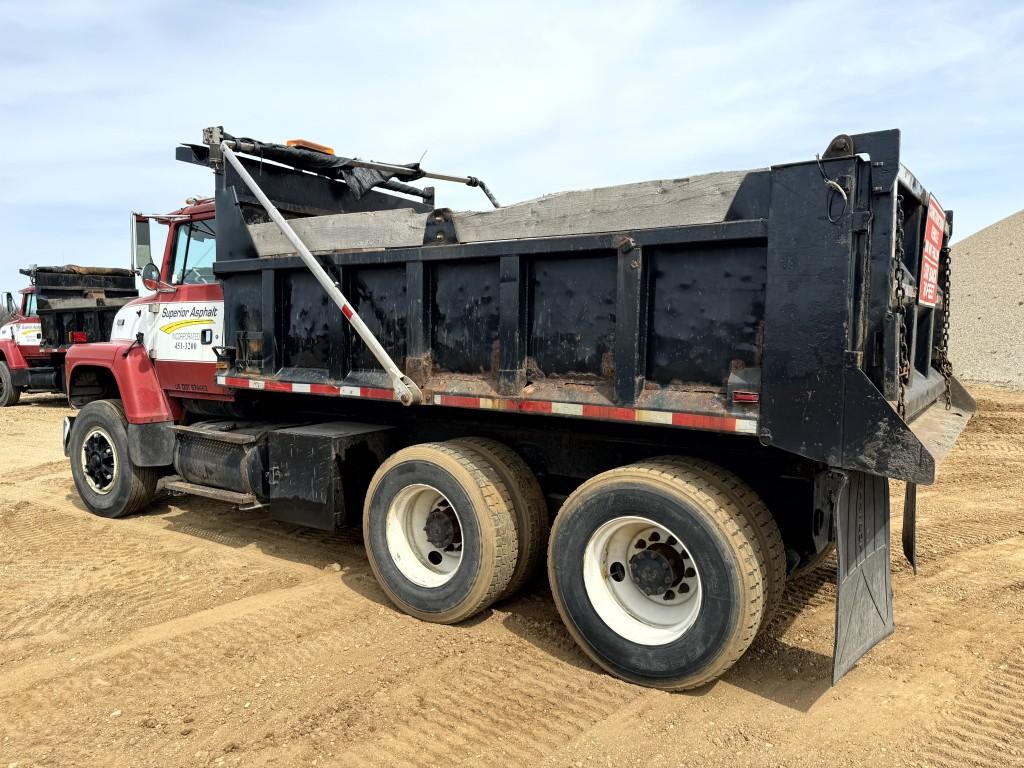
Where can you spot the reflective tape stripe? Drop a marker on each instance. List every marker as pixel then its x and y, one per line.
pixel 604 413
pixel 581 410
pixel 302 388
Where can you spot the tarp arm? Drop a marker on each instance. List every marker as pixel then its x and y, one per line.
pixel 405 388
pixel 359 175
pixel 469 181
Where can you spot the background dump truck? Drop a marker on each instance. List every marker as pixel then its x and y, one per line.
pixel 675 392
pixel 63 306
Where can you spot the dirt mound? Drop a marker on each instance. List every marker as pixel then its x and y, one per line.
pixel 988 304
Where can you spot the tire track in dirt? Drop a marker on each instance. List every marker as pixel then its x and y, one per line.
pixel 191 671
pixel 520 709
pixel 36 473
pixel 342 659
pixel 79 578
pixel 804 595
pixel 985 724
pixel 217 524
pixel 356 668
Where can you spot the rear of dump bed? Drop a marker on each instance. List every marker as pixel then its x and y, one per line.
pixel 78 304
pixel 75 305
pixel 799 312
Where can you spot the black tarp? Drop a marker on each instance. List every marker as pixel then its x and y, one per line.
pixel 359 180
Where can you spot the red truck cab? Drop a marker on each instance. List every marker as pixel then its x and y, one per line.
pixel 20 349
pixel 162 345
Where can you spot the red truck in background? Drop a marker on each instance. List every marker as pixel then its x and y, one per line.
pixel 19 345
pixel 65 305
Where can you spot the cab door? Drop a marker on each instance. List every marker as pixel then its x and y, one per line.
pixel 188 322
pixel 28 332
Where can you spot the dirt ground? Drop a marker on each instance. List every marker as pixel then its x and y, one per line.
pixel 198 635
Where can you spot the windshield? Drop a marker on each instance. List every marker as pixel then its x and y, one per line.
pixel 195 251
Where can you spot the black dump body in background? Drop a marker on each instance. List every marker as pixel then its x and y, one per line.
pixel 79 299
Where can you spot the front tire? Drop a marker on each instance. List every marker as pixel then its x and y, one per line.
pixel 9 394
pixel 656 574
pixel 439 532
pixel 107 480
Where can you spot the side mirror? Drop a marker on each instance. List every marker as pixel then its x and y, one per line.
pixel 142 253
pixel 8 304
pixel 151 276
pixel 151 280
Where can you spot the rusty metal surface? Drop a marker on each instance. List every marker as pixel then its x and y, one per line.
pixel 938 429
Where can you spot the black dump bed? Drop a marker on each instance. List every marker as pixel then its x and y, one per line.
pixel 798 304
pixel 81 300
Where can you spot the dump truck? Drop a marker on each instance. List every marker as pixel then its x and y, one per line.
pixel 62 306
pixel 675 393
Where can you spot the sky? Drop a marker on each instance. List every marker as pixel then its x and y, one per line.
pixel 532 97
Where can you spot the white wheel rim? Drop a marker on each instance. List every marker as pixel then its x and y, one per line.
pixel 425 563
pixel 100 465
pixel 611 579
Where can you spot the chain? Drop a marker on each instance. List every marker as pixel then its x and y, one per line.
pixel 903 376
pixel 941 353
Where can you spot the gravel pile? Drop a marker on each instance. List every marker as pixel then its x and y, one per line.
pixel 987 333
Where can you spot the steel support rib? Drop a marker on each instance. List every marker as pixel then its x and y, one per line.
pixel 405 388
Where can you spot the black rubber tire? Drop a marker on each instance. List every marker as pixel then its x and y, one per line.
pixel 761 520
pixel 9 394
pixel 133 487
pixel 723 546
pixel 528 505
pixel 484 507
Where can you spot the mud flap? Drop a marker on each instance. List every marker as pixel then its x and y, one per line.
pixel 864 594
pixel 910 525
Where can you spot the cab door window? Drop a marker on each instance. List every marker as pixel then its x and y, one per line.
pixel 30 305
pixel 195 251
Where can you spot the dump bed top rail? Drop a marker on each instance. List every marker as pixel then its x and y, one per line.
pixel 705 199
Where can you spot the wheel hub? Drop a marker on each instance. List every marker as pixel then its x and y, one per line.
pixel 424 535
pixel 656 569
pixel 99 461
pixel 442 527
pixel 641 580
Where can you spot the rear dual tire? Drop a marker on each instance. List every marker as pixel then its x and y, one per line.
pixel 609 581
pixel 529 507
pixel 440 532
pixel 772 549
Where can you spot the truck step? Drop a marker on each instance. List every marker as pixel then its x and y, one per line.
pixel 222 435
pixel 243 500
